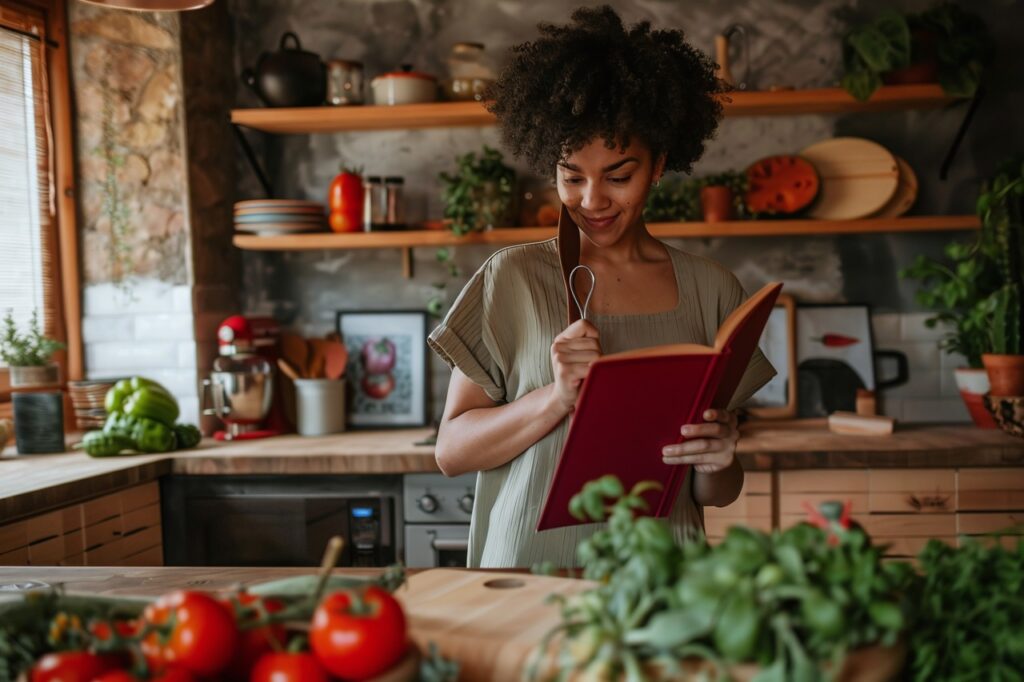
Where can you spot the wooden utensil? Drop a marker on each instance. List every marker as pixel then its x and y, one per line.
pixel 335 359
pixel 317 358
pixel 489 622
pixel 858 177
pixel 295 351
pixel 287 368
pixel 906 192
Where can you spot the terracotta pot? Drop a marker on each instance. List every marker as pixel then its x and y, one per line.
pixel 973 385
pixel 1005 374
pixel 24 377
pixel 921 72
pixel 716 203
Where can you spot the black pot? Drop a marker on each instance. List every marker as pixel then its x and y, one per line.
pixel 290 77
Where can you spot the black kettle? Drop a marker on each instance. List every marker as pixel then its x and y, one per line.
pixel 290 77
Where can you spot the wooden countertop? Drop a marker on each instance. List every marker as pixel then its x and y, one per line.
pixel 36 483
pixel 154 581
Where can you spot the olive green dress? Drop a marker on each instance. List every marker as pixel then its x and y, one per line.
pixel 499 333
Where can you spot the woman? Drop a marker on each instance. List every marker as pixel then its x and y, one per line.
pixel 607 110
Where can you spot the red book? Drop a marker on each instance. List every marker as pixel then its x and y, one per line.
pixel 632 404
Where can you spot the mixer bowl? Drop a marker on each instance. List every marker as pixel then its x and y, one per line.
pixel 240 399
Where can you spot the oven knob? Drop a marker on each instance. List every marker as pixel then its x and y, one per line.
pixel 466 503
pixel 427 503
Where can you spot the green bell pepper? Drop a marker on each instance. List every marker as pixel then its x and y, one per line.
pixel 152 436
pixel 119 425
pixel 123 389
pixel 100 444
pixel 148 402
pixel 186 436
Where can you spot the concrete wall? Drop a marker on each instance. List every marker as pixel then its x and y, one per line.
pixel 793 42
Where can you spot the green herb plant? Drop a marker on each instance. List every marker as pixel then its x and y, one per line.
pixel 29 349
pixel 678 199
pixel 1001 208
pixel 792 602
pixel 957 40
pixel 478 195
pixel 970 604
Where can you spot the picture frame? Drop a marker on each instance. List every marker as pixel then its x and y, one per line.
pixel 778 398
pixel 386 376
pixel 835 356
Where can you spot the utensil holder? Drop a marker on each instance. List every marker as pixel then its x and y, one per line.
pixel 320 406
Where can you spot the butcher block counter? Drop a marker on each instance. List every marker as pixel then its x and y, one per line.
pixel 37 483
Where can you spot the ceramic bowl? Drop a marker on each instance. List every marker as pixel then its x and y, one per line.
pixel 1008 412
pixel 404 87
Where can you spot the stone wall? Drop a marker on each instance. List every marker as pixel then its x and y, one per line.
pixel 133 198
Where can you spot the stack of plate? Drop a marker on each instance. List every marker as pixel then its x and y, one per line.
pixel 279 216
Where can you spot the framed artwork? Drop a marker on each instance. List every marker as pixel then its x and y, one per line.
pixel 386 375
pixel 834 357
pixel 778 398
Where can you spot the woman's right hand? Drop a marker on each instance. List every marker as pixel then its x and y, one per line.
pixel 572 353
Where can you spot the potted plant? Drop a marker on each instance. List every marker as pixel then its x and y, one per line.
pixel 29 354
pixel 945 44
pixel 959 292
pixel 673 200
pixel 478 195
pixel 721 196
pixel 1001 207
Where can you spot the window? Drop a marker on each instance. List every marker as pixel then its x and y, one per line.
pixel 36 213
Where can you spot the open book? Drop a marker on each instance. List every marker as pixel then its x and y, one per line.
pixel 632 404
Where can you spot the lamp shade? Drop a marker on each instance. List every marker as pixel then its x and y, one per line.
pixel 152 5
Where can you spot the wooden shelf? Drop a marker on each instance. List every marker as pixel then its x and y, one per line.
pixel 522 235
pixel 456 114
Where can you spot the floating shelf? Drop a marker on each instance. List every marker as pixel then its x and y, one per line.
pixel 455 114
pixel 521 235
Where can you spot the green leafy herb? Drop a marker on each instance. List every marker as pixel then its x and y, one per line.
pixel 29 349
pixel 478 195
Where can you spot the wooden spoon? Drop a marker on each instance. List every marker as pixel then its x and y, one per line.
pixel 287 368
pixel 295 351
pixel 317 359
pixel 335 359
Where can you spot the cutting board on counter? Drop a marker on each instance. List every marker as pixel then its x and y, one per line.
pixel 490 622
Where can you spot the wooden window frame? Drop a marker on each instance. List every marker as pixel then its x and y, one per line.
pixel 67 307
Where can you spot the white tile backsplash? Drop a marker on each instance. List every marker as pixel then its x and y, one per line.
pixel 923 383
pixel 920 354
pixel 885 328
pixel 187 355
pixel 137 296
pixel 912 328
pixel 97 328
pixel 189 406
pixel 130 355
pixel 182 296
pixel 164 327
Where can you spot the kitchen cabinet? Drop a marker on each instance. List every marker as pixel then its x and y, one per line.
pixel 117 529
pixel 903 508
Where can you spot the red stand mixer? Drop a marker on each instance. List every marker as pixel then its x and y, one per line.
pixel 242 390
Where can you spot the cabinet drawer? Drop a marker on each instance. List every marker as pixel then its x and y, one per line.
pixel 973 524
pixel 142 539
pixel 990 500
pixel 141 518
pixel 792 504
pixel 103 532
pixel 104 555
pixel 13 536
pixel 17 557
pixel 990 479
pixel 823 481
pixel 45 526
pixel 154 556
pixel 46 552
pixel 140 496
pixel 744 506
pixel 100 509
pixel 912 490
pixel 912 546
pixel 909 525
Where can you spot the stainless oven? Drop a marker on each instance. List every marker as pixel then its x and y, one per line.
pixel 280 520
pixel 437 513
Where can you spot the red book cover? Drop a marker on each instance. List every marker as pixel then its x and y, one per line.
pixel 632 404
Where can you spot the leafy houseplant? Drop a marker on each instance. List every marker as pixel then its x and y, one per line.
pixel 1001 207
pixel 28 354
pixel 478 196
pixel 679 199
pixel 721 195
pixel 789 605
pixel 944 42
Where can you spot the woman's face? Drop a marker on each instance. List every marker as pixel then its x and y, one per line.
pixel 605 189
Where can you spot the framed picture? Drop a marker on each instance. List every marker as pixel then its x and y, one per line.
pixel 386 374
pixel 778 398
pixel 834 357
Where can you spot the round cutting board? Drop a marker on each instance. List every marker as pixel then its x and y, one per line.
pixel 906 192
pixel 858 177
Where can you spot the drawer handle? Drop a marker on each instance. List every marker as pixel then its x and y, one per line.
pixel 440 545
pixel 928 502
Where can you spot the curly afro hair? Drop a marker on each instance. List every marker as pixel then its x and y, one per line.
pixel 596 78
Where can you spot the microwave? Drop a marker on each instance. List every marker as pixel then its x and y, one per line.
pixel 264 520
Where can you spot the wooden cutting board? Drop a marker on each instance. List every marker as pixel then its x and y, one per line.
pixel 906 192
pixel 858 177
pixel 490 622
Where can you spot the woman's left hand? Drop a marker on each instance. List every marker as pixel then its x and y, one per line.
pixel 709 447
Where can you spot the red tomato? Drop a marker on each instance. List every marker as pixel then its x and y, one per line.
pixel 378 386
pixel 252 642
pixel 285 667
pixel 169 675
pixel 345 198
pixel 358 635
pixel 71 666
pixel 202 637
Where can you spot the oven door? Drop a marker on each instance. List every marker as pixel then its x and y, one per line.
pixel 436 546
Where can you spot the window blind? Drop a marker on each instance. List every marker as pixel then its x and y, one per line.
pixel 28 255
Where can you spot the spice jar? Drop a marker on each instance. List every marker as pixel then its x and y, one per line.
pixel 344 82
pixel 395 213
pixel 469 72
pixel 375 205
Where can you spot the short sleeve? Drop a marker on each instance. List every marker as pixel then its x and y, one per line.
pixel 466 338
pixel 759 372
